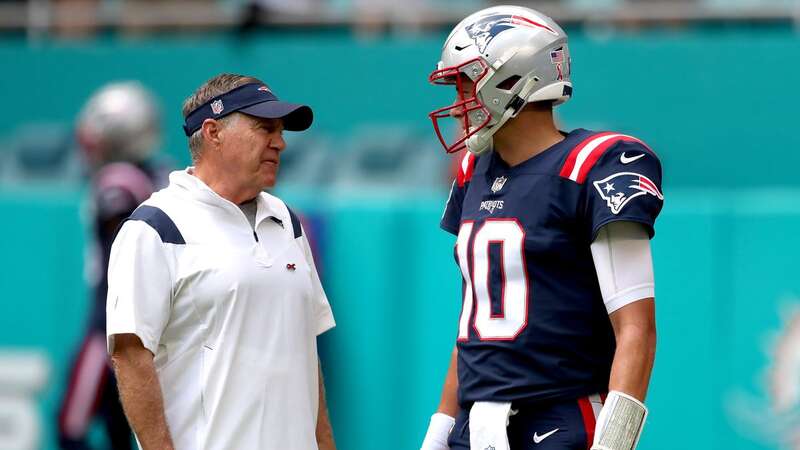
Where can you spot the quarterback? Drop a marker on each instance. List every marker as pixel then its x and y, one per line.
pixel 556 338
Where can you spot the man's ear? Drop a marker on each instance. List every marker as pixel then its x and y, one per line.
pixel 211 129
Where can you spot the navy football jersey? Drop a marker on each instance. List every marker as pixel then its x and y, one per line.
pixel 533 325
pixel 117 189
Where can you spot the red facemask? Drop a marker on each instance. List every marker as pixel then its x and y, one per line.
pixel 464 105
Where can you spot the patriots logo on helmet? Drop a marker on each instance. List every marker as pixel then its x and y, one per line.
pixel 486 28
pixel 619 189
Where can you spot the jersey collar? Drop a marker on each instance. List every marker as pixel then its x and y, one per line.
pixel 200 192
pixel 494 165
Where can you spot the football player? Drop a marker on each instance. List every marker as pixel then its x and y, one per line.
pixel 117 131
pixel 556 338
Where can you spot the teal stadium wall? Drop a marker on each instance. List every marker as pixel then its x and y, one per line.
pixel 717 104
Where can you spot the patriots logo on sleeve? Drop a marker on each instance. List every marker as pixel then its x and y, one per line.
pixel 619 189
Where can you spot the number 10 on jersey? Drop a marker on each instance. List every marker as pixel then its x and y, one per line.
pixel 475 263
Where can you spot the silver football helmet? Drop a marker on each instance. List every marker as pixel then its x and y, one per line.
pixel 514 56
pixel 120 122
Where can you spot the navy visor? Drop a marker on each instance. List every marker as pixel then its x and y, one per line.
pixel 254 99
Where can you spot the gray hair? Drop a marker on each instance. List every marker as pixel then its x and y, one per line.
pixel 218 85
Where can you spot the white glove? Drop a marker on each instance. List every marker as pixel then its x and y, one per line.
pixel 620 423
pixel 438 432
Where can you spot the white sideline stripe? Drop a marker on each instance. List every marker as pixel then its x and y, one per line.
pixel 86 381
pixel 586 151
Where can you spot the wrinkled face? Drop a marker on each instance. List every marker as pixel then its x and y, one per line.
pixel 251 149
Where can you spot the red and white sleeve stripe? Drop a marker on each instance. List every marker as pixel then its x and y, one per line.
pixel 584 156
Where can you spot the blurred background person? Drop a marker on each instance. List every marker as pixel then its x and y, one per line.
pixel 118 133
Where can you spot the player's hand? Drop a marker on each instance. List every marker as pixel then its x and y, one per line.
pixel 438 432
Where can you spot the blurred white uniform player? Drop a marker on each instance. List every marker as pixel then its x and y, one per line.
pixel 117 131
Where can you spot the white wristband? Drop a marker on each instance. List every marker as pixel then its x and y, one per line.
pixel 620 423
pixel 438 432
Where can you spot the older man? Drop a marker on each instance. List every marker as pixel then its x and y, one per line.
pixel 214 303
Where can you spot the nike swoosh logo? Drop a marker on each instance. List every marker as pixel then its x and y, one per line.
pixel 459 48
pixel 537 438
pixel 625 160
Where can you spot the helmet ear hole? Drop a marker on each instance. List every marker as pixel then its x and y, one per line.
pixel 508 83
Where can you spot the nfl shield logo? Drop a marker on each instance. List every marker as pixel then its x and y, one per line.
pixel 217 107
pixel 498 184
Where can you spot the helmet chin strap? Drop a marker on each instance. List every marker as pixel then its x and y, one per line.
pixel 479 142
pixel 483 140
